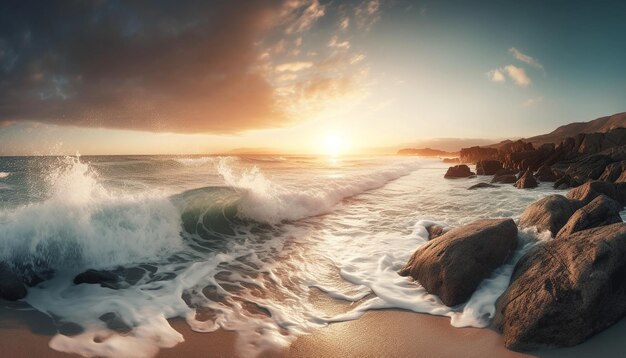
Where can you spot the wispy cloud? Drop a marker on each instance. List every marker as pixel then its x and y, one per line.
pixel 525 58
pixel 335 43
pixel 533 102
pixel 293 66
pixel 516 74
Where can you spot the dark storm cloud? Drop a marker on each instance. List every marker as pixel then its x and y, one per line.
pixel 155 65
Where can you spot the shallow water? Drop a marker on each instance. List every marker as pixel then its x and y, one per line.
pixel 252 244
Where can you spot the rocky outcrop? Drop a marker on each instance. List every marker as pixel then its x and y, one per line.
pixel 481 186
pixel 580 158
pixel 453 265
pixel 488 167
pixel 564 291
pixel 475 154
pixel 550 213
pixel 526 181
pixel 590 167
pixel 600 211
pixel 590 190
pixel 11 286
pixel 546 174
pixel 458 171
pixel 614 171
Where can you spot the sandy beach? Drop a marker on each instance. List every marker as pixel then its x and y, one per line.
pixel 25 332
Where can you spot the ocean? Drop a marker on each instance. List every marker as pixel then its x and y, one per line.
pixel 272 247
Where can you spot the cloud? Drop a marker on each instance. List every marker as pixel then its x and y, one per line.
pixel 525 58
pixel 496 75
pixel 367 14
pixel 305 19
pixel 334 42
pixel 516 74
pixel 293 66
pixel 533 102
pixel 190 67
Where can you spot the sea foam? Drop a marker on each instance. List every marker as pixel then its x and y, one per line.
pixel 81 223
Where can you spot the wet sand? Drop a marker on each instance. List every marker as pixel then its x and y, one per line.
pixel 388 333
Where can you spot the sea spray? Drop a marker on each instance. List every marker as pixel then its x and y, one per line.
pixel 269 202
pixel 80 224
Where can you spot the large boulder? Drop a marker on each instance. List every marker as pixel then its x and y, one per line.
pixel 564 291
pixel 11 286
pixel 549 213
pixel 599 212
pixel 590 190
pixel 488 167
pixel 453 265
pixel 526 181
pixel 458 171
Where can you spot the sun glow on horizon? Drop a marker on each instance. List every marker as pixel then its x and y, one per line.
pixel 334 145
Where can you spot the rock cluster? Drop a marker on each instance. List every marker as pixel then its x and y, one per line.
pixel 568 164
pixel 562 291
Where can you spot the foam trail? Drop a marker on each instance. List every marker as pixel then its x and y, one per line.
pixel 269 202
pixel 393 291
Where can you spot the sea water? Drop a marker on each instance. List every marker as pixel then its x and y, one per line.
pixel 269 246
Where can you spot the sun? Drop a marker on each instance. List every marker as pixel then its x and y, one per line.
pixel 334 145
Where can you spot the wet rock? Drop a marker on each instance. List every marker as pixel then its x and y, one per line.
pixel 599 212
pixel 488 167
pixel 481 185
pixel 434 231
pixel 453 265
pixel 549 213
pixel 11 286
pixel 564 291
pixel 590 190
pixel 546 174
pixel 566 182
pixel 504 179
pixel 458 171
pixel 526 181
pixel 104 278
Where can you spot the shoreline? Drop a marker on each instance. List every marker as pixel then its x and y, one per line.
pixel 25 332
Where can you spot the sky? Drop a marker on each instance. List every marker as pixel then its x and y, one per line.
pixel 301 76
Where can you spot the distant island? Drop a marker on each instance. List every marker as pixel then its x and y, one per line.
pixel 427 152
